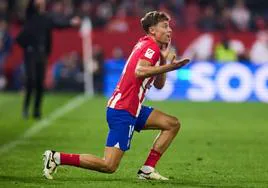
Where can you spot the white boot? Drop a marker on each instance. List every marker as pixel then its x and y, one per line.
pixel 149 173
pixel 50 165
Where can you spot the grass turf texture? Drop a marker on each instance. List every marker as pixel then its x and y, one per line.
pixel 219 145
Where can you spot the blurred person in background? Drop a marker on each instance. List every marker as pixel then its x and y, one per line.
pixel 119 22
pixel 223 52
pixel 57 9
pixel 240 15
pixel 259 50
pixel 86 9
pixel 19 11
pixel 68 8
pixel 4 9
pixel 190 14
pixel 258 23
pixel 118 55
pixel 224 19
pixel 98 69
pixel 35 38
pixel 5 40
pixel 208 21
pixel 104 12
pixel 5 48
pixel 67 73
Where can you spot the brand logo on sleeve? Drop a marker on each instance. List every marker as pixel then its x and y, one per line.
pixel 149 53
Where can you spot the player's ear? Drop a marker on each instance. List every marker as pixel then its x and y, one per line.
pixel 152 30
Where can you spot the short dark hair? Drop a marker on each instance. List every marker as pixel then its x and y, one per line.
pixel 152 18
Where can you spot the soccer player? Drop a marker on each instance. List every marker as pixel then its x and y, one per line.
pixel 145 66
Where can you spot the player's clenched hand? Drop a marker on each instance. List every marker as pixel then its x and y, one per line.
pixel 167 53
pixel 179 63
pixel 165 50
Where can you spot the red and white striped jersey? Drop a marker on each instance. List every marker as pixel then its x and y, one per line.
pixel 130 91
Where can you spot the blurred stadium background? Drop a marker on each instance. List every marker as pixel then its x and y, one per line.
pixel 222 144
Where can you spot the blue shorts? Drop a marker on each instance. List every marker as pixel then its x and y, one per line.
pixel 122 125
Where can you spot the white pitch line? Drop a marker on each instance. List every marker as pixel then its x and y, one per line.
pixel 38 126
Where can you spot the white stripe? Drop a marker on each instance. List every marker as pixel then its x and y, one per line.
pixel 112 97
pixel 138 110
pixel 128 60
pixel 139 96
pixel 38 126
pixel 143 85
pixel 116 98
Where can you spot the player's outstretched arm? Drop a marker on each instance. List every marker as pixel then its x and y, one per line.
pixel 62 22
pixel 144 69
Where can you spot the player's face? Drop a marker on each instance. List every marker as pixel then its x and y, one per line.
pixel 162 32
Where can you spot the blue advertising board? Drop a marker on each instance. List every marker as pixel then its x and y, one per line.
pixel 205 81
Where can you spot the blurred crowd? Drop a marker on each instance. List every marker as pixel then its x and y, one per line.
pixel 202 15
pixel 208 15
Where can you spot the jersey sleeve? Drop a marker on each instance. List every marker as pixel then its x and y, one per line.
pixel 151 53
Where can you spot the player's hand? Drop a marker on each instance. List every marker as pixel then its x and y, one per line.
pixel 180 63
pixel 167 53
pixel 76 21
pixel 165 50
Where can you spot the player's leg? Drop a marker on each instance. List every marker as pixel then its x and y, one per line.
pixel 108 164
pixel 121 125
pixel 40 69
pixel 29 73
pixel 168 126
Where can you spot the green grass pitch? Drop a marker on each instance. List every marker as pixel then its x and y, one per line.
pixel 219 145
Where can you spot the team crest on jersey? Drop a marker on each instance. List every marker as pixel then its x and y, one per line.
pixel 149 53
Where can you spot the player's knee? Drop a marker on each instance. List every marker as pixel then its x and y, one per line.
pixel 111 168
pixel 175 124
